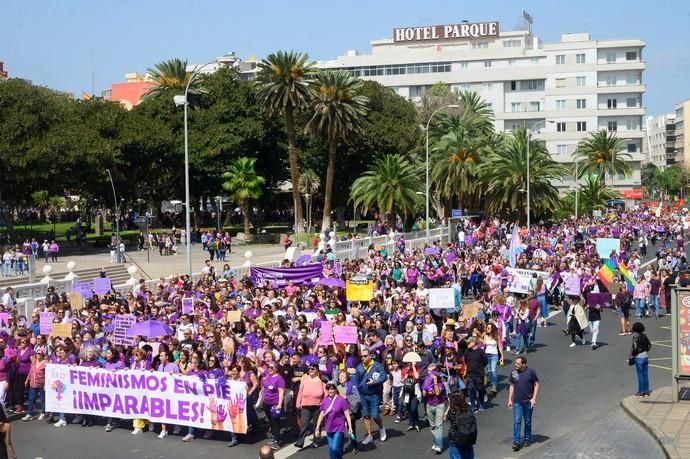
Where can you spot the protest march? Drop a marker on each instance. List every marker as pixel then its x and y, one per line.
pixel 394 332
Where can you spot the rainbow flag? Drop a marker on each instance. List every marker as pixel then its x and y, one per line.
pixel 629 281
pixel 605 273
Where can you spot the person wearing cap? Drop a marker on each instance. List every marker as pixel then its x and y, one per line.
pixel 434 395
pixel 369 378
pixel 335 410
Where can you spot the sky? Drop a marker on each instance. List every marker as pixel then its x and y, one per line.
pixel 59 43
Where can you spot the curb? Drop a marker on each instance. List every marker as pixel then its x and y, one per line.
pixel 668 448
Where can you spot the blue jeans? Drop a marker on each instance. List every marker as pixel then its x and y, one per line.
pixel 435 415
pixel 541 299
pixel 335 444
pixel 397 400
pixel 532 328
pixel 654 303
pixel 642 367
pixel 36 394
pixel 522 411
pixel 639 306
pixel 521 341
pixel 493 362
pixel 460 452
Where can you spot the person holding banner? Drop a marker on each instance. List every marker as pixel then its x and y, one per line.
pixel 89 361
pixel 165 364
pixel 60 359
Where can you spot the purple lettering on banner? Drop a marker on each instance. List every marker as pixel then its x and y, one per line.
pixel 101 285
pixel 281 276
pixel 46 323
pixel 187 305
pixel 345 334
pixel 84 288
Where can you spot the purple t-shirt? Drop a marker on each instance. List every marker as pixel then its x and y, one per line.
pixel 335 417
pixel 24 358
pixel 271 384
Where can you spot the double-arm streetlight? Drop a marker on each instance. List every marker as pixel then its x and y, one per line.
pixel 426 187
pixel 182 100
pixel 117 219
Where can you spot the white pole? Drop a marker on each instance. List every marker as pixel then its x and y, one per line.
pixel 528 204
pixel 188 225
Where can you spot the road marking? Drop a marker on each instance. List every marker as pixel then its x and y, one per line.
pixel 661 367
pixel 662 341
pixel 666 327
pixel 661 358
pixel 662 345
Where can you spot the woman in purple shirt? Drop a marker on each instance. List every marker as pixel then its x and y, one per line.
pixel 113 363
pixel 336 411
pixel 90 360
pixel 273 386
pixel 167 365
pixel 24 354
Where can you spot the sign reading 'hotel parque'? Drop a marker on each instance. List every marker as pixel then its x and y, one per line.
pixel 446 32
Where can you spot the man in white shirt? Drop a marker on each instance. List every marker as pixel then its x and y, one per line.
pixel 7 299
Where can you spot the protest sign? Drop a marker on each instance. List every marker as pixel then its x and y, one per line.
pixel 63 330
pixel 281 276
pixel 75 301
pixel 84 288
pixel 441 298
pixel 359 289
pixel 470 311
pixel 214 404
pixel 122 323
pixel 233 316
pixel 310 316
pixel 606 245
pixel 187 305
pixel 598 298
pixel 326 333
pixel 45 323
pixel 3 319
pixel 522 280
pixel 345 334
pixel 572 284
pixel 101 285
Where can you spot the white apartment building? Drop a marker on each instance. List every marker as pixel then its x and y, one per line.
pixel 565 89
pixel 661 138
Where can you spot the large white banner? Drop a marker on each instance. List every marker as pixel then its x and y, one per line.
pixel 523 280
pixel 442 298
pixel 156 396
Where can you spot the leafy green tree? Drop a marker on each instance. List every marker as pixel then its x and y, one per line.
pixel 672 181
pixel 171 77
pixel 649 175
pixel 503 176
pixel 390 185
pixel 283 82
pixel 338 112
pixel 439 95
pixel 243 184
pixel 601 153
pixel 594 195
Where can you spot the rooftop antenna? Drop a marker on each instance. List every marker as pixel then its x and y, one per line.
pixel 525 22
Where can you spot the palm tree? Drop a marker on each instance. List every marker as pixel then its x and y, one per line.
pixel 601 153
pixel 594 195
pixel 283 82
pixel 391 186
pixel 475 115
pixel 338 113
pixel 47 204
pixel 309 184
pixel 171 76
pixel 503 176
pixel 243 184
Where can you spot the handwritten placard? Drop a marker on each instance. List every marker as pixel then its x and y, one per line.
pixel 45 323
pixel 470 311
pixel 233 316
pixel 101 285
pixel 122 323
pixel 326 332
pixel 76 301
pixel 63 330
pixel 84 288
pixel 441 298
pixel 187 305
pixel 572 284
pixel 359 290
pixel 345 334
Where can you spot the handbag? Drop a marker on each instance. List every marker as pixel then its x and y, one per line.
pixel 631 360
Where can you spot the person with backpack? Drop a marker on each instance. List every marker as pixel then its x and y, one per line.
pixel 462 435
pixel 522 398
pixel 639 356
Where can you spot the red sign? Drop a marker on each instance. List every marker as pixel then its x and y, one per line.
pixel 632 194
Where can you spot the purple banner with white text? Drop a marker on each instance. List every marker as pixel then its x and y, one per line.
pixel 309 274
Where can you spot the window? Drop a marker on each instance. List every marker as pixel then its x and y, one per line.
pixel 631 102
pixel 632 148
pixel 480 44
pixel 490 106
pixel 560 59
pixel 630 125
pixel 560 127
pixel 631 78
pixel 581 126
pixel 560 82
pixel 463 65
pixel 515 107
pixel 611 103
pixel 612 126
pixel 487 63
pixel 511 61
pixel 611 58
pixel 534 106
pixel 631 56
pixel 513 85
pixel 465 87
pixel 512 43
pixel 581 81
pixel 560 104
pixel 580 58
pixel 611 80
pixel 487 86
pixel 561 150
pixel 581 104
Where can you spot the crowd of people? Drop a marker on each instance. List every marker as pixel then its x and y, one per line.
pixel 15 260
pixel 412 364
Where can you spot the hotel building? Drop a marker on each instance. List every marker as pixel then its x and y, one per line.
pixel 562 91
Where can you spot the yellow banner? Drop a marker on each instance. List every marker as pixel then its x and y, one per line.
pixel 358 290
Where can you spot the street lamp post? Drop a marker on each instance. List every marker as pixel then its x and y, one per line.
pixel 529 129
pixel 577 179
pixel 183 100
pixel 117 219
pixel 307 199
pixel 219 211
pixel 426 187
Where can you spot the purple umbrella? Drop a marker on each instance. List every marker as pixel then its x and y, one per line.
pixel 331 282
pixel 149 328
pixel 302 260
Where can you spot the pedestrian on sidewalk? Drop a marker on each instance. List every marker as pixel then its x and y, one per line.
pixel 639 354
pixel 54 248
pixel 522 398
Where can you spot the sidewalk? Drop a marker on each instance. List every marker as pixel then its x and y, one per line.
pixel 668 422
